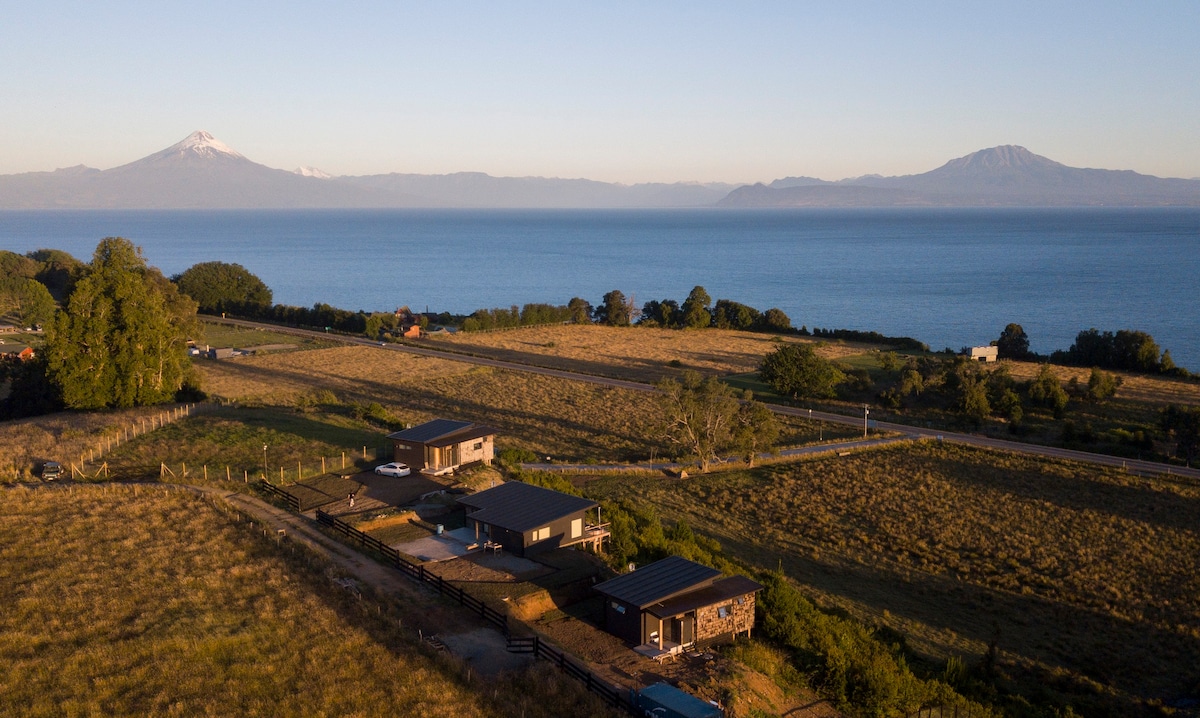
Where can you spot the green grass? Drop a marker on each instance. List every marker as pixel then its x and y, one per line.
pixel 218 334
pixel 234 437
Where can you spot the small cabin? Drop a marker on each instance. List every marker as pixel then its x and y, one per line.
pixel 443 445
pixel 675 604
pixel 524 519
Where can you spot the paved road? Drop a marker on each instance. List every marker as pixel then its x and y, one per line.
pixel 1133 465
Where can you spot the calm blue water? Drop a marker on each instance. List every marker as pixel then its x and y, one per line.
pixel 949 277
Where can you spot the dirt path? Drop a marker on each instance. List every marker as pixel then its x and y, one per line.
pixel 464 634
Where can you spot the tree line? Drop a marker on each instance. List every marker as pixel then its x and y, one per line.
pixel 1125 350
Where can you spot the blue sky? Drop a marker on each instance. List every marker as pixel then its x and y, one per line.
pixel 615 91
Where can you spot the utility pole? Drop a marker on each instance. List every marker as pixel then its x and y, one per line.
pixel 866 410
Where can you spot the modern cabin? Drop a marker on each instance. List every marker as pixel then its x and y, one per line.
pixel 524 519
pixel 443 445
pixel 675 604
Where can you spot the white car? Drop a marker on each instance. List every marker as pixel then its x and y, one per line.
pixel 393 469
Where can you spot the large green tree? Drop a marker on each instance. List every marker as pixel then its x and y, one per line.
pixel 220 287
pixel 27 300
pixel 755 429
pixel 1013 343
pixel 1046 391
pixel 122 339
pixel 1182 423
pixel 615 310
pixel 795 370
pixel 696 314
pixel 57 270
pixel 699 415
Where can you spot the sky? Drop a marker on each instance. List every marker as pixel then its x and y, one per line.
pixel 614 91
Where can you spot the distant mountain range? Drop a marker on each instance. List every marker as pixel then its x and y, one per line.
pixel 202 172
pixel 1006 176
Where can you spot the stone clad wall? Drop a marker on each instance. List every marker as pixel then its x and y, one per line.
pixel 710 627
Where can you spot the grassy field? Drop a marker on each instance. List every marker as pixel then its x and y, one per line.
pixel 567 420
pixel 63 437
pixel 234 436
pixel 151 601
pixel 634 353
pixel 228 335
pixel 1085 578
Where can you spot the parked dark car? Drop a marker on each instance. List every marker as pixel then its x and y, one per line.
pixel 51 470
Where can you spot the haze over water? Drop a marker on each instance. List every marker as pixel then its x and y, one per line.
pixel 948 277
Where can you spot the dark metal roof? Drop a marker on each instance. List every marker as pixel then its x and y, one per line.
pixel 722 591
pixel 522 507
pixel 659 581
pixel 443 432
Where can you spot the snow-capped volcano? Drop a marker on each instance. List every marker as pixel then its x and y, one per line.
pixel 312 172
pixel 203 144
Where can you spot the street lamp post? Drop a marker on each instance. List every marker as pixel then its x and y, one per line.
pixel 264 462
pixel 866 410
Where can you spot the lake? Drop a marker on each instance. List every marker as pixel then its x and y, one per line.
pixel 949 277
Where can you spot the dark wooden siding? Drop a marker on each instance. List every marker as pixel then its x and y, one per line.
pixel 626 626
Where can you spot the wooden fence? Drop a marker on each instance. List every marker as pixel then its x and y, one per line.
pixel 113 437
pixel 612 695
pixel 292 502
pixel 956 711
pixel 415 570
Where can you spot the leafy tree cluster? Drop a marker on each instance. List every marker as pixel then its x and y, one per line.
pixel 1127 349
pixel 121 340
pixel 528 315
pixel 1182 423
pixel 699 312
pixel 25 299
pixel 31 284
pixel 219 287
pixel 1014 344
pixel 615 310
pixel 865 676
pixel 795 370
pixel 703 417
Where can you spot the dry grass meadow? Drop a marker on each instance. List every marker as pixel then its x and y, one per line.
pixel 64 437
pixel 1086 578
pixel 635 354
pixel 123 600
pixel 567 420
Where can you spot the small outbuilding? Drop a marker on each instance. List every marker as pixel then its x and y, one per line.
pixel 675 604
pixel 443 445
pixel 524 519
pixel 983 354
